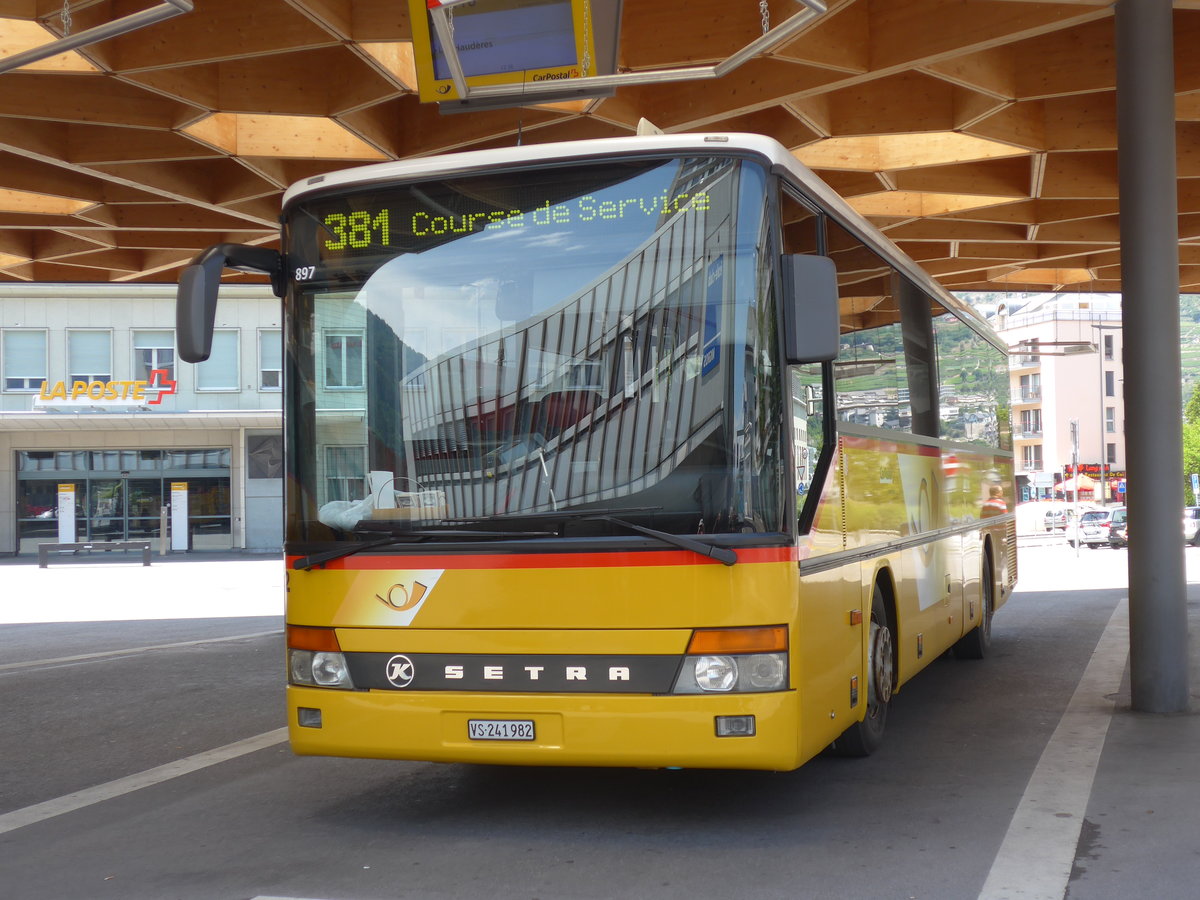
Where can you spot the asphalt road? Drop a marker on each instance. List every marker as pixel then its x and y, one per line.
pixel 127 773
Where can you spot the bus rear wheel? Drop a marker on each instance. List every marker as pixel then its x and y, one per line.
pixel 865 737
pixel 977 642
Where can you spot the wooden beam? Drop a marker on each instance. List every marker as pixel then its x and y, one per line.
pixel 100 144
pixel 164 217
pixel 1083 122
pixel 991 72
pixel 1049 65
pixel 359 20
pixel 217 30
pixel 709 32
pixel 906 102
pixel 943 230
pixel 1083 175
pixel 756 85
pixel 85 98
pixel 1019 124
pixel 24 174
pixel 995 177
pixel 838 40
pixel 923 31
pixel 1088 231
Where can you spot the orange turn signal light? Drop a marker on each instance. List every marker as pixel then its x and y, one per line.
pixel 304 637
pixel 765 639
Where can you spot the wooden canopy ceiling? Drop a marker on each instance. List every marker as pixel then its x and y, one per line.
pixel 979 134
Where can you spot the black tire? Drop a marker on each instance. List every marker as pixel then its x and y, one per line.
pixel 977 643
pixel 865 737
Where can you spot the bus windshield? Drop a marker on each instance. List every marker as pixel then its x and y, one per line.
pixel 504 352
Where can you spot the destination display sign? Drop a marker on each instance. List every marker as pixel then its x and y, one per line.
pixel 348 230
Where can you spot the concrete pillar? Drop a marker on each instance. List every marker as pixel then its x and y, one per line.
pixel 1150 315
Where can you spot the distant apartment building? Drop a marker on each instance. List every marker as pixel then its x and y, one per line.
pixel 94 402
pixel 1068 408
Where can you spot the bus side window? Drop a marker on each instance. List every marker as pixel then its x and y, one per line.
pixel 870 372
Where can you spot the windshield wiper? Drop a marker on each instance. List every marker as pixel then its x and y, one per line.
pixel 401 537
pixel 723 555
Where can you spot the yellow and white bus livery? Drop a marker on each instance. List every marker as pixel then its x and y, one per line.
pixel 633 452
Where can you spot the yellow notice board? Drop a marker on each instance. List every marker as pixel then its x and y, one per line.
pixel 524 43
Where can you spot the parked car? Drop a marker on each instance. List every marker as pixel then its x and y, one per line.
pixel 1094 526
pixel 1118 530
pixel 1056 519
pixel 1191 525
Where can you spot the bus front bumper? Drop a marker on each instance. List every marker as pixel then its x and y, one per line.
pixel 572 730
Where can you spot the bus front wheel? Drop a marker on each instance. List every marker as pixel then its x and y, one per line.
pixel 865 737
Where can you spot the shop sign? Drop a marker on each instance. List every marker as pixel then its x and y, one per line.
pixel 106 394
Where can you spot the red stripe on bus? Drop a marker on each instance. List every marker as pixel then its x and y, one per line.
pixel 554 560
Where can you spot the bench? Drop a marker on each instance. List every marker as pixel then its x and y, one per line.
pixel 44 550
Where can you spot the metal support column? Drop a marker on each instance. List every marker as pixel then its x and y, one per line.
pixel 1150 315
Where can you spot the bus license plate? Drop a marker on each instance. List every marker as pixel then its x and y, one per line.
pixel 500 729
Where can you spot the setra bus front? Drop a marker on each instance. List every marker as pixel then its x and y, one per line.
pixel 541 495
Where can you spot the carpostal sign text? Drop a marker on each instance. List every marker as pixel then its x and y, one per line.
pixel 106 394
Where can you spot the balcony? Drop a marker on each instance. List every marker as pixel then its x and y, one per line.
pixel 1027 395
pixel 1028 433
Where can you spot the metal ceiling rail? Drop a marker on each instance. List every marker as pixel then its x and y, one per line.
pixel 166 10
pixel 769 40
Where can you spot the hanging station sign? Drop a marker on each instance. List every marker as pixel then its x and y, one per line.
pixel 499 42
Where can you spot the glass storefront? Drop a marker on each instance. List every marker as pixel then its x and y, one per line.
pixel 120 494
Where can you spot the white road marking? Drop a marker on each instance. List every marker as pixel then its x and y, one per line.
pixel 131 651
pixel 39 812
pixel 1035 860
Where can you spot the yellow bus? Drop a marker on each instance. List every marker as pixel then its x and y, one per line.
pixel 644 452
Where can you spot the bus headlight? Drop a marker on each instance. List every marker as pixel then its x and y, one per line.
pixel 319 668
pixel 716 673
pixel 742 673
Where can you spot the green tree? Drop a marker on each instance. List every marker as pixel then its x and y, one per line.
pixel 1191 457
pixel 1191 410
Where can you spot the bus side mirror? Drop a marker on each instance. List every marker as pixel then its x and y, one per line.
pixel 812 331
pixel 196 299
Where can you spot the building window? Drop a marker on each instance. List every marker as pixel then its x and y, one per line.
pixel 1031 458
pixel 89 356
pixel 345 473
pixel 1031 422
pixel 1108 346
pixel 1110 419
pixel 270 360
pixel 1110 384
pixel 344 359
pixel 153 350
pixel 24 360
pixel 1110 453
pixel 220 371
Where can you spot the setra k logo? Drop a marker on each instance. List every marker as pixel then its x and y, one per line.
pixel 400 671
